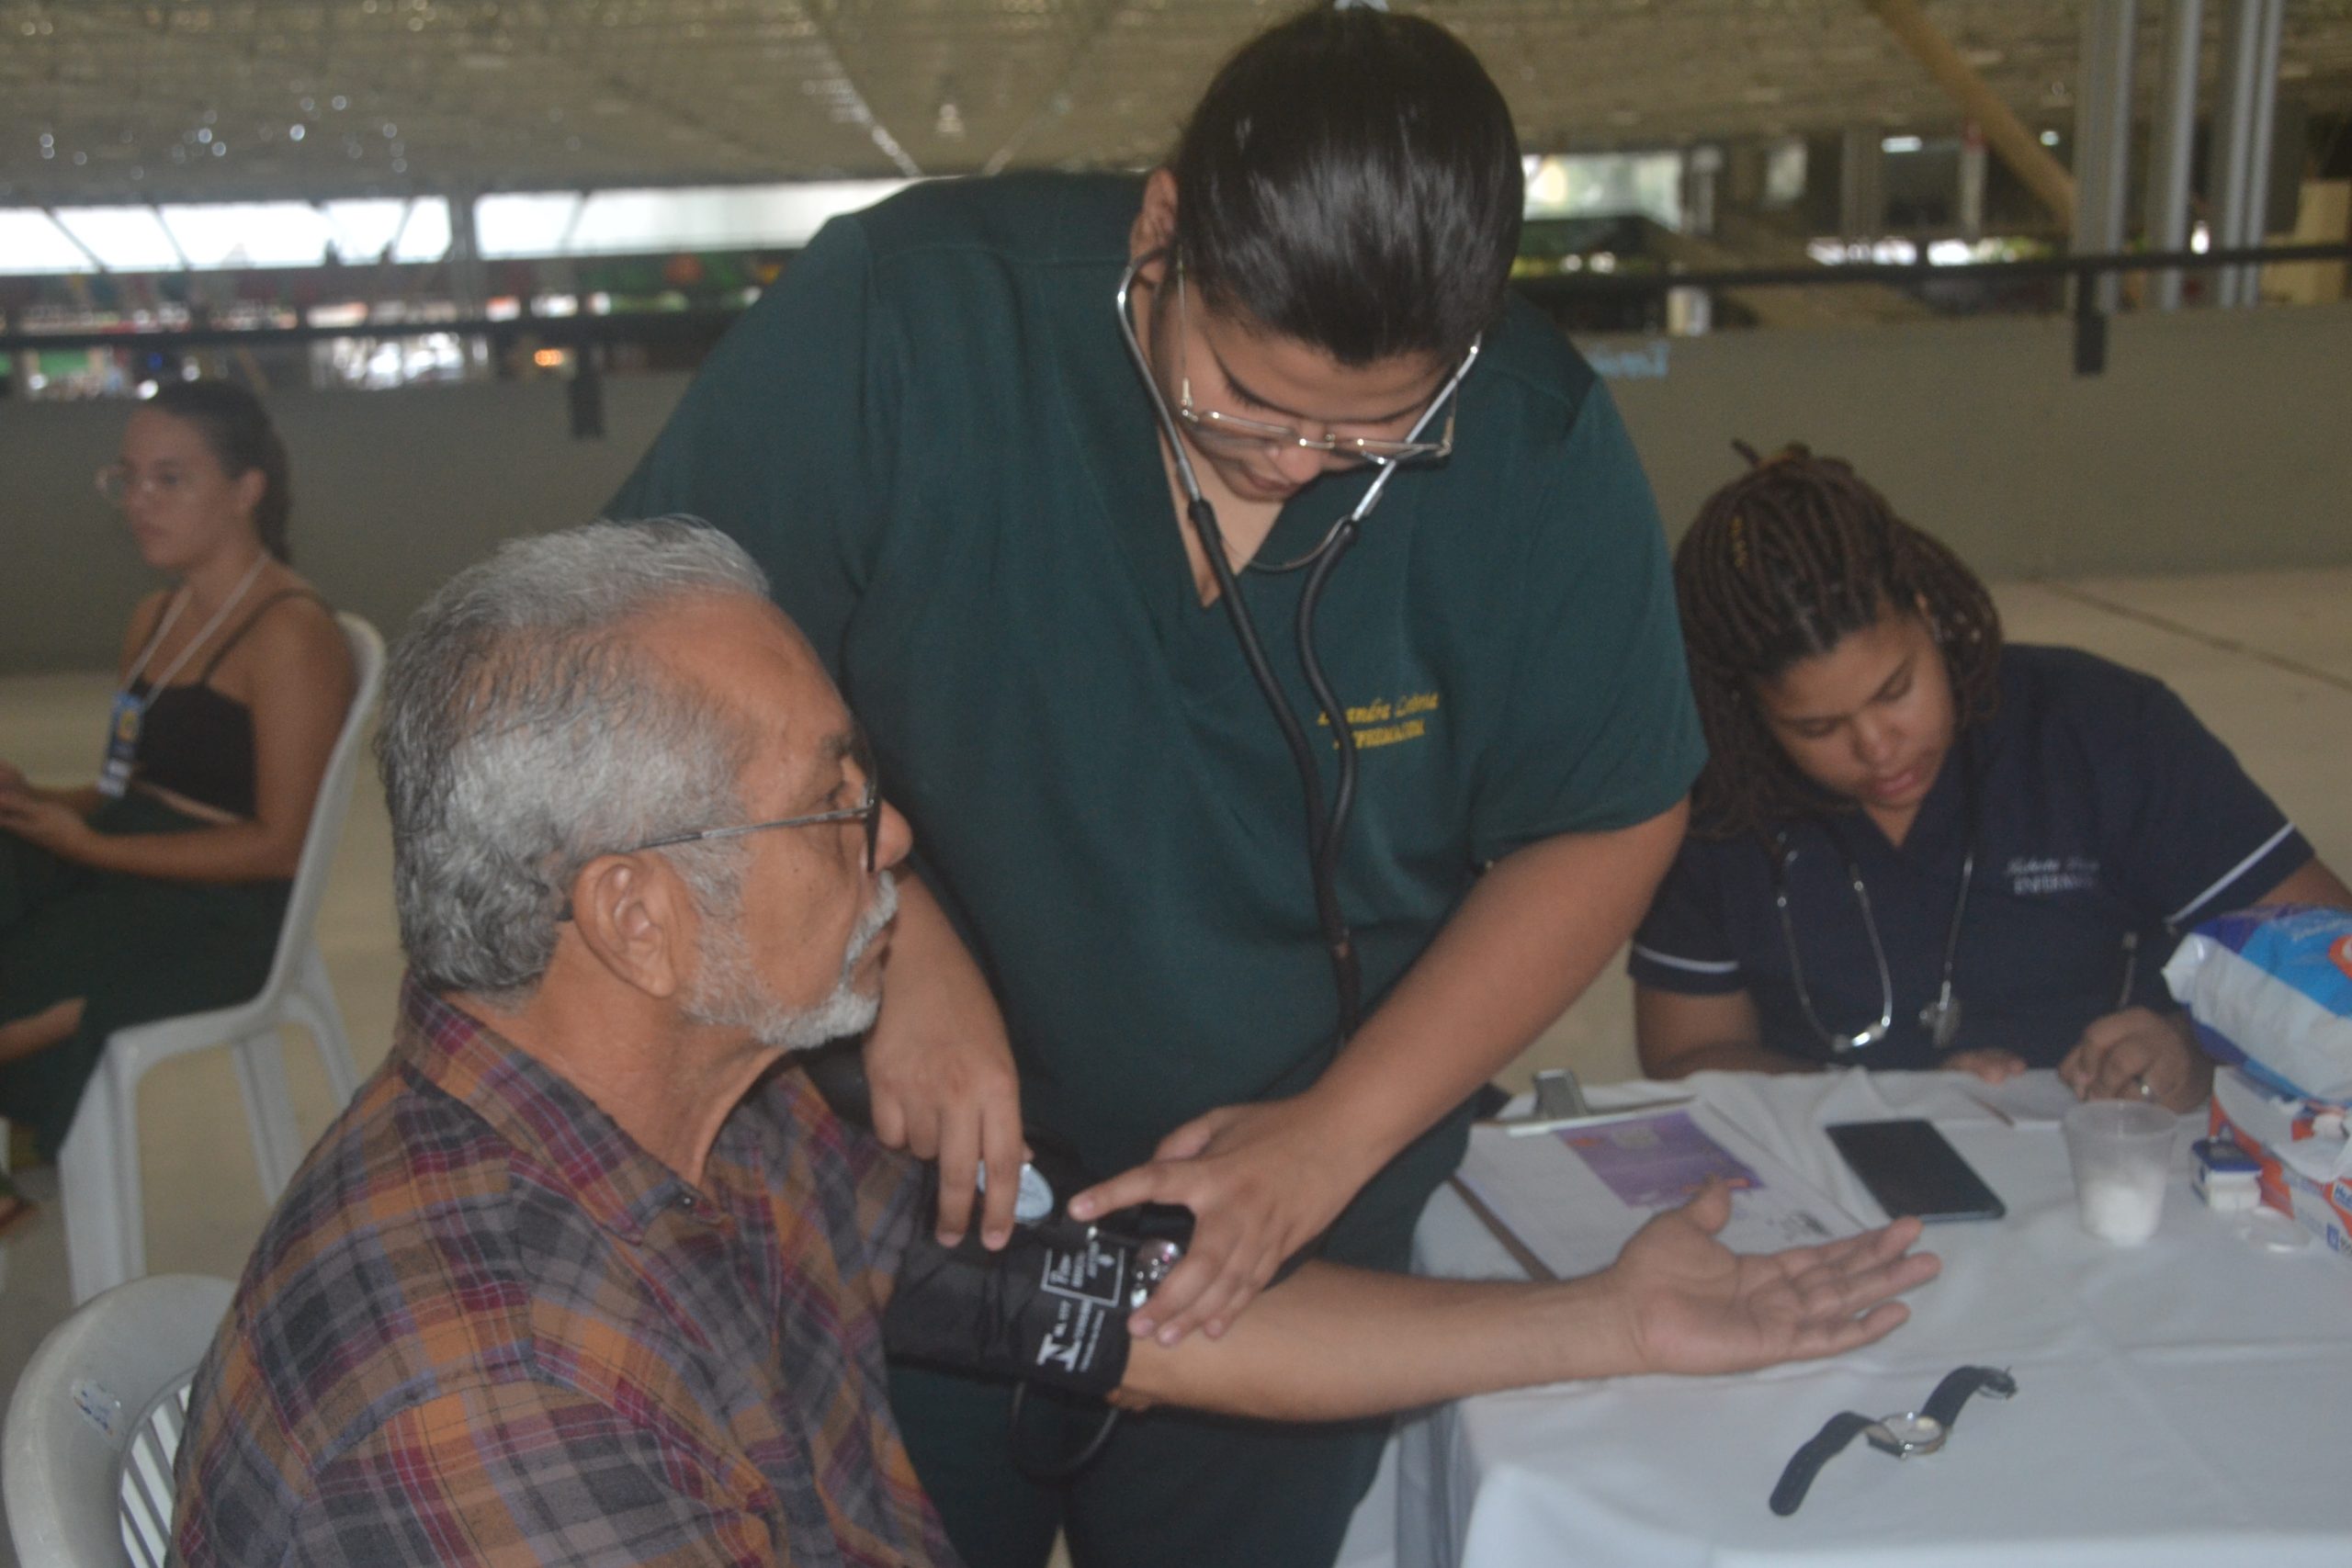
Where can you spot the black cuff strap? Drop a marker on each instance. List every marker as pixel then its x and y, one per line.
pixel 1805 1463
pixel 1944 1405
pixel 1050 1306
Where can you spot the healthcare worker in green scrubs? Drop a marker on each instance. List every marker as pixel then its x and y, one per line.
pixel 962 436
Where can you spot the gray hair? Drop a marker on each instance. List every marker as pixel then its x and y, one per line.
pixel 524 734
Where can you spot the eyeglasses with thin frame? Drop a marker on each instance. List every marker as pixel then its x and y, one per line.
pixel 868 811
pixel 117 484
pixel 1217 425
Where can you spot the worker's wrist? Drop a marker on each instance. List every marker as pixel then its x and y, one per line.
pixel 1355 1126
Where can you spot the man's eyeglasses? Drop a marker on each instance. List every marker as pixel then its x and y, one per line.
pixel 1233 430
pixel 868 811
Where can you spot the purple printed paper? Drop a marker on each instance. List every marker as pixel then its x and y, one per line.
pixel 1657 1162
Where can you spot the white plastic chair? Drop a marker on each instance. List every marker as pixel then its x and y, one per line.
pixel 97 1165
pixel 96 1421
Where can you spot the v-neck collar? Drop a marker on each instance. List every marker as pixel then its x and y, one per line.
pixel 1940 832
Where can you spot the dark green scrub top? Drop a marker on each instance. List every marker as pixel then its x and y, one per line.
pixel 931 437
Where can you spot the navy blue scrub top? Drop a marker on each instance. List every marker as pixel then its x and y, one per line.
pixel 2103 808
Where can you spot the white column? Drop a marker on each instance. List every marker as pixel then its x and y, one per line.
pixel 2103 133
pixel 1701 166
pixel 1862 185
pixel 2172 140
pixel 1971 181
pixel 2242 137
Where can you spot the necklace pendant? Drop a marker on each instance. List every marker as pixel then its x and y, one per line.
pixel 1940 1019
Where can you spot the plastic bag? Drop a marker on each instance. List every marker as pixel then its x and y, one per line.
pixel 2270 992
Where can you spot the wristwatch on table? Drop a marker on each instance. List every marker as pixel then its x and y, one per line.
pixel 1912 1434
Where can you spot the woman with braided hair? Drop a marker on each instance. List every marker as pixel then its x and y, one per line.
pixel 1915 846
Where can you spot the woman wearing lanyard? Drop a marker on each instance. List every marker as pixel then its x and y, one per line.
pixel 1116 507
pixel 158 890
pixel 1914 846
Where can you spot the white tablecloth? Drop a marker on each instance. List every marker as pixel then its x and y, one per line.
pixel 2186 1402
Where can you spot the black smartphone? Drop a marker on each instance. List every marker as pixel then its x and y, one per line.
pixel 1910 1169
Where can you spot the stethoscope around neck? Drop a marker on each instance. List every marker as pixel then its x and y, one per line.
pixel 1940 1018
pixel 1327 820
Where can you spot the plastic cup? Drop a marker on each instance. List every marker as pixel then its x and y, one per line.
pixel 2122 1151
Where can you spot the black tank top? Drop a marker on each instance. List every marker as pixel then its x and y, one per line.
pixel 198 742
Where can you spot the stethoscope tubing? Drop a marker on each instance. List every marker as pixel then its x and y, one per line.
pixel 1778 853
pixel 1327 822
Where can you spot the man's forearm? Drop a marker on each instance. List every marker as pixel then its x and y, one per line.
pixel 1333 1342
pixel 1525 944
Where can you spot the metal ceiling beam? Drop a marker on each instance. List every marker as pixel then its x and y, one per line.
pixel 860 106
pixel 2003 133
pixel 97 262
pixel 715 91
pixel 1054 101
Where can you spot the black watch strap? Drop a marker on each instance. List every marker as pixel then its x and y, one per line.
pixel 1944 1405
pixel 1819 1450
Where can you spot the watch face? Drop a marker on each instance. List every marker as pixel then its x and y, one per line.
pixel 1905 1434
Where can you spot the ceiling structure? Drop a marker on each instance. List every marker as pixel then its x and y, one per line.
pixel 221 100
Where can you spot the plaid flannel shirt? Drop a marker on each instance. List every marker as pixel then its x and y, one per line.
pixel 485 1326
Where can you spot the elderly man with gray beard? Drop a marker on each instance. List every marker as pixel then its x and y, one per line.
pixel 589 1274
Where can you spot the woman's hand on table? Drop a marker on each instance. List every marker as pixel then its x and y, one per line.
pixel 1263 1181
pixel 1693 1305
pixel 2123 1051
pixel 1989 1063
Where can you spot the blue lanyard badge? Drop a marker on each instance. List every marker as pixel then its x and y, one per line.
pixel 122 745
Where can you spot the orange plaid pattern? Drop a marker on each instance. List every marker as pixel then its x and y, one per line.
pixel 484 1327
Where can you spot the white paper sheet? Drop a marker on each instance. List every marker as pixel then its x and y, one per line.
pixel 1560 1209
pixel 2030 1099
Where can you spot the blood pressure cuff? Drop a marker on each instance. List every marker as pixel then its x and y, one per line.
pixel 1051 1306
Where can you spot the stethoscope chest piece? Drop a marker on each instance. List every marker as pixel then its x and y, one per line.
pixel 1940 1019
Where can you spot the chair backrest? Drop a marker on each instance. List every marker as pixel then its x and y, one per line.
pixel 85 1458
pixel 333 805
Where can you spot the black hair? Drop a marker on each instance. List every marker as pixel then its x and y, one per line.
pixel 1782 564
pixel 237 431
pixel 1351 180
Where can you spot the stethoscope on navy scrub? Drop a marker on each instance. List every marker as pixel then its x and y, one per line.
pixel 1327 822
pixel 1939 1018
